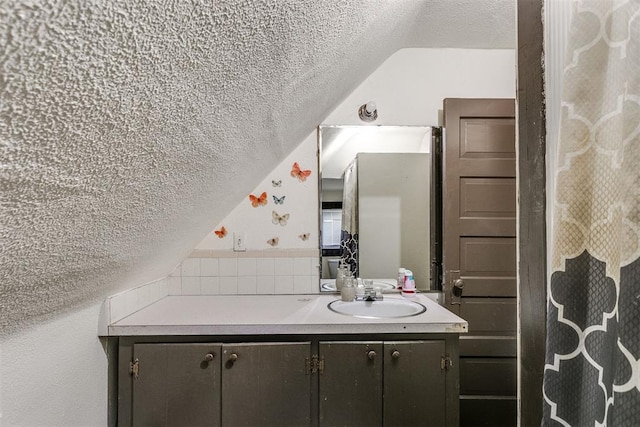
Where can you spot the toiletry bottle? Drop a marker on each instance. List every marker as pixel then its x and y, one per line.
pixel 400 278
pixel 409 287
pixel 342 270
pixel 348 291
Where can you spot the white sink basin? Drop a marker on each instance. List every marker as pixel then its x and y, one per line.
pixel 385 309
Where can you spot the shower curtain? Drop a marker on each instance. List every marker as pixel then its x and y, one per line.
pixel 349 232
pixel 592 370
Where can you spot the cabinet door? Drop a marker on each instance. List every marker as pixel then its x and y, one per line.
pixel 266 384
pixel 351 384
pixel 177 385
pixel 414 383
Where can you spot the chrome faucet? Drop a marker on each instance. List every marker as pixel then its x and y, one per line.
pixel 370 294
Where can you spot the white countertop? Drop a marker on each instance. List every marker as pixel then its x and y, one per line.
pixel 274 314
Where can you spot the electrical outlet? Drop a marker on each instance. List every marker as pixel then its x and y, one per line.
pixel 239 243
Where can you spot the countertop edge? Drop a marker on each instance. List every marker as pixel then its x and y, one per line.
pixel 302 315
pixel 279 329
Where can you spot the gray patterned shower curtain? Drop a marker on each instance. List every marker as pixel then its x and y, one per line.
pixel 592 370
pixel 349 232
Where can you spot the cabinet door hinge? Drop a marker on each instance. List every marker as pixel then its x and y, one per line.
pixel 445 363
pixel 314 365
pixel 134 367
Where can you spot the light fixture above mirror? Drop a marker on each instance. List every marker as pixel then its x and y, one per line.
pixel 368 112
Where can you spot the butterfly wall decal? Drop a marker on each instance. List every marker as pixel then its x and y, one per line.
pixel 273 241
pixel 258 201
pixel 279 219
pixel 304 237
pixel 221 233
pixel 296 172
pixel 278 200
pixel 276 183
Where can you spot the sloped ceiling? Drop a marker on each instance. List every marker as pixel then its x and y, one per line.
pixel 128 129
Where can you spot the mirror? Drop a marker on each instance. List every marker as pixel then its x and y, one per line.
pixel 376 200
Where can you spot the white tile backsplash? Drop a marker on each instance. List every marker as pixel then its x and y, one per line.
pixel 228 285
pixel 267 272
pixel 265 285
pixel 246 267
pixel 283 266
pixel 209 267
pixel 128 302
pixel 228 267
pixel 265 267
pixel 191 267
pixel 175 286
pixel 247 285
pixel 301 266
pixel 210 285
pixel 177 272
pixel 191 286
pixel 283 284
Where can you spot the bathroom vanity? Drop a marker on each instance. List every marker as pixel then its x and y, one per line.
pixel 286 360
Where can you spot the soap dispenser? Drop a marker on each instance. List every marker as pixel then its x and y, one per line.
pixel 409 287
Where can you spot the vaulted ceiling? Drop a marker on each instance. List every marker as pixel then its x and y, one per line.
pixel 128 129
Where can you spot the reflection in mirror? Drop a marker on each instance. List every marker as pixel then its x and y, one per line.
pixel 376 208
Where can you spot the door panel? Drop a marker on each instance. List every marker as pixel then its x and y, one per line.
pixel 487 137
pixel 489 346
pixel 488 266
pixel 476 411
pixel 479 246
pixel 266 384
pixel 487 197
pixel 351 384
pixel 488 376
pixel 176 385
pixel 491 316
pixel 414 383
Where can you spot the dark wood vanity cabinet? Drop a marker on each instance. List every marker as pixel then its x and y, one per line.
pixel 396 383
pixel 203 384
pixel 319 381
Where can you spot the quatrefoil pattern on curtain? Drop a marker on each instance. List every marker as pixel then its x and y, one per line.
pixel 592 371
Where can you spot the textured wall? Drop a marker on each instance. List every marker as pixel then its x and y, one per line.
pixel 129 129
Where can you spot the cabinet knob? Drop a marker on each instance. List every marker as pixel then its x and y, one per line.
pixel 371 355
pixel 395 354
pixel 233 357
pixel 209 357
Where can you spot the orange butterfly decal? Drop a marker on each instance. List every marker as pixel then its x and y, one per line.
pixel 296 172
pixel 221 233
pixel 258 201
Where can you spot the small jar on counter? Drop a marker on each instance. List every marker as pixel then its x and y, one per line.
pixel 348 291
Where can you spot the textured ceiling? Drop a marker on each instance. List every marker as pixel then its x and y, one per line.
pixel 128 129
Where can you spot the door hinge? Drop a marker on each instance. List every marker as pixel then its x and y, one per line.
pixel 134 367
pixel 314 365
pixel 445 363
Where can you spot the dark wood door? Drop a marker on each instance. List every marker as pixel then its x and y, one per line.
pixel 414 383
pixel 266 384
pixel 479 252
pixel 177 385
pixel 351 384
